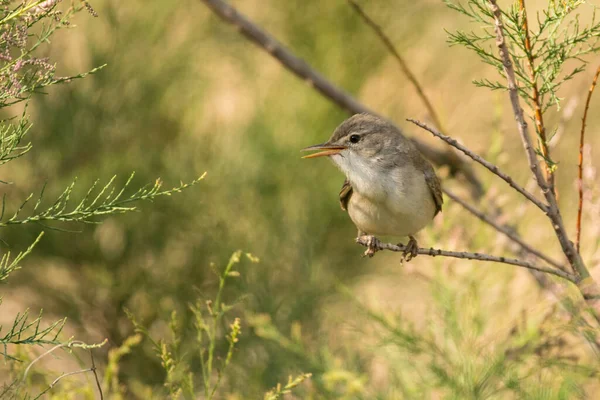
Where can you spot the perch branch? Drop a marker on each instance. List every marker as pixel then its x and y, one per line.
pixel 317 81
pixel 504 230
pixel 580 163
pixel 493 168
pixel 471 256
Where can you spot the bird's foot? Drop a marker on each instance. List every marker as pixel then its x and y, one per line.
pixel 372 245
pixel 411 249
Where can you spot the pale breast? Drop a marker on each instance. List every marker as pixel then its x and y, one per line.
pixel 402 206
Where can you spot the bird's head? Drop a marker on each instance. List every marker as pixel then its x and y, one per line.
pixel 363 143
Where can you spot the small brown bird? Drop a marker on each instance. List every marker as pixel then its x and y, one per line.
pixel 390 189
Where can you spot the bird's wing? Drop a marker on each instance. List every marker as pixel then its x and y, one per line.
pixel 345 195
pixel 434 186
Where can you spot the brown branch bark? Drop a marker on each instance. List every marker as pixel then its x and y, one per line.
pixel 94 370
pixel 587 286
pixel 344 100
pixel 537 106
pixel 491 167
pixel 363 240
pixel 580 162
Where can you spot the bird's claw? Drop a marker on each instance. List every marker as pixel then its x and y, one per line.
pixel 372 246
pixel 411 250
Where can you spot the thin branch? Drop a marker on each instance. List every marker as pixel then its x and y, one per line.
pixel 318 82
pixel 512 235
pixel 94 370
pixel 81 371
pixel 403 66
pixel 580 163
pixel 44 354
pixel 514 95
pixel 491 167
pixel 471 256
pixel 537 106
pixel 587 286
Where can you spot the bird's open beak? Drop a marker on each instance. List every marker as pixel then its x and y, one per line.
pixel 327 150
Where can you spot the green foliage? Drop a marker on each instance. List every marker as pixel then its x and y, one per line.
pixel 103 202
pixel 557 38
pixel 29 332
pixel 7 265
pixel 279 390
pixel 465 354
pixel 24 27
pixel 208 316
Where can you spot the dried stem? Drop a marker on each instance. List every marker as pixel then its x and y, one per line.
pixel 537 106
pixel 580 163
pixel 305 72
pixel 403 66
pixel 491 167
pixel 94 370
pixel 363 240
pixel 504 230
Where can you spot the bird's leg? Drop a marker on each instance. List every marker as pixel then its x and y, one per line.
pixel 411 250
pixel 372 244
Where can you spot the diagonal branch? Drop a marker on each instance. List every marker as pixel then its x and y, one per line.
pixel 403 66
pixel 504 230
pixel 305 72
pixel 363 240
pixel 580 163
pixel 491 167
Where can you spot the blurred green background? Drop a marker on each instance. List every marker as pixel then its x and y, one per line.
pixel 184 93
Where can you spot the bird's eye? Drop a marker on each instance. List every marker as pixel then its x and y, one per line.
pixel 354 138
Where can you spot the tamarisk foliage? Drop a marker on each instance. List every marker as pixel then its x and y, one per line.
pixel 25 26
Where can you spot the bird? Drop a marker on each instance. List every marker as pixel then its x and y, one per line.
pixel 390 188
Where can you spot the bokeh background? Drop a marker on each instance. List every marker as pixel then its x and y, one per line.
pixel 184 93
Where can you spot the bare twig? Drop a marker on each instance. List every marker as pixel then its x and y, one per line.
pixel 49 351
pixel 504 230
pixel 403 66
pixel 580 163
pixel 537 106
pixel 54 382
pixel 586 284
pixel 94 370
pixel 69 345
pixel 493 168
pixel 305 72
pixel 363 240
